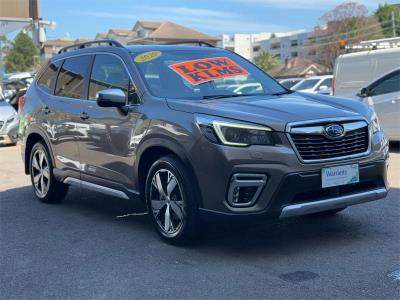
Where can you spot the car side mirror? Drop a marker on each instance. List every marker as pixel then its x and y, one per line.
pixel 363 93
pixel 323 87
pixel 111 98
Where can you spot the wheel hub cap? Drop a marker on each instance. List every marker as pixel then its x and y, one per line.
pixel 167 201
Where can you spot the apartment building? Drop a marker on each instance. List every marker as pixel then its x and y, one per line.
pixel 285 45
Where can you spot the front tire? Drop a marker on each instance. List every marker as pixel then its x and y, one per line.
pixel 171 201
pixel 46 188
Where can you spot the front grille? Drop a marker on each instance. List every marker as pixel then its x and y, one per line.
pixel 318 147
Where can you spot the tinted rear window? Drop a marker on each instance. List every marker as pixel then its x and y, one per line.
pixel 71 79
pixel 48 78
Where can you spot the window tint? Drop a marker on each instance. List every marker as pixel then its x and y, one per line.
pixel 388 84
pixel 71 79
pixel 48 78
pixel 108 72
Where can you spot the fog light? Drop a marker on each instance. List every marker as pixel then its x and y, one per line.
pixel 244 189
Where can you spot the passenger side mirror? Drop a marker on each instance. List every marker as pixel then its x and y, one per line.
pixel 111 98
pixel 322 87
pixel 363 93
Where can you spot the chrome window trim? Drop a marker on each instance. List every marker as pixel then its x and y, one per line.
pixel 356 120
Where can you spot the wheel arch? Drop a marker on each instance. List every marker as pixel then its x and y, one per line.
pixel 153 149
pixel 35 135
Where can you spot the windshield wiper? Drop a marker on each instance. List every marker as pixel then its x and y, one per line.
pixel 228 96
pixel 282 93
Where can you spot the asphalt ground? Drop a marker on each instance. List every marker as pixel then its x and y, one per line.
pixel 93 246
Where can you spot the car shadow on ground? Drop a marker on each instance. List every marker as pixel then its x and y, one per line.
pixel 394 147
pixel 231 238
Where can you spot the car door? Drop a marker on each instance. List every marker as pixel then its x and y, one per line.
pixel 62 113
pixel 384 94
pixel 107 151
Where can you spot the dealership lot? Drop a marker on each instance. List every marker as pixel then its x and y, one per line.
pixel 97 247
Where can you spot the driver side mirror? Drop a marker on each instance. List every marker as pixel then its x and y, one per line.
pixel 363 93
pixel 111 98
pixel 323 87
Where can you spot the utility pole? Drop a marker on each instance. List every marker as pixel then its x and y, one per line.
pixel 393 24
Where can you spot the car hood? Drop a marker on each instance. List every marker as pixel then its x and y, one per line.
pixel 276 111
pixel 6 111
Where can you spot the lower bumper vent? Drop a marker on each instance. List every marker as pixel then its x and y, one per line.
pixel 244 189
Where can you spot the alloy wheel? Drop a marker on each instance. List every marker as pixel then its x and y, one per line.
pixel 40 173
pixel 167 201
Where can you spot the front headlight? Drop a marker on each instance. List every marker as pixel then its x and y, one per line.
pixel 236 134
pixel 375 127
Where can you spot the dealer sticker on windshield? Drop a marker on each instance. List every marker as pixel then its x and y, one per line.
pixel 340 175
pixel 207 69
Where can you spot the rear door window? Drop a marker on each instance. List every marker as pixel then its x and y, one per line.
pixel 108 72
pixel 71 79
pixel 48 78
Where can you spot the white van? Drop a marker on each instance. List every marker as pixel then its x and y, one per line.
pixel 354 71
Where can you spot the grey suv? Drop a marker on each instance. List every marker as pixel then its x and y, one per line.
pixel 160 123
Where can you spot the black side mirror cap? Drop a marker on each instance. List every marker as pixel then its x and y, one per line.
pixel 111 98
pixel 363 93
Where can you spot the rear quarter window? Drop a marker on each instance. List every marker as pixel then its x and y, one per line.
pixel 48 78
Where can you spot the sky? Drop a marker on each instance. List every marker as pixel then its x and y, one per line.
pixel 84 18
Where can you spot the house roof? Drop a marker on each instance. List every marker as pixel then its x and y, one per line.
pixel 101 35
pixel 149 24
pixel 57 43
pixel 122 32
pixel 169 31
pixel 297 67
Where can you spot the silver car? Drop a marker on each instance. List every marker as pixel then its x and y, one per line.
pixel 9 121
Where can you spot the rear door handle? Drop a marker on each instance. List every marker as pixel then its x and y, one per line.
pixel 84 116
pixel 45 109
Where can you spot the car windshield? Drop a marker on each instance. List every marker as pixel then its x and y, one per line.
pixel 305 84
pixel 198 74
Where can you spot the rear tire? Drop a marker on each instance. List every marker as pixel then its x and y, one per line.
pixel 171 201
pixel 46 188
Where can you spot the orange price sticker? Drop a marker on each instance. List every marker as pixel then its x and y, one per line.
pixel 207 69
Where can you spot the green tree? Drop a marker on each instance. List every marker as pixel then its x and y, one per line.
pixel 384 16
pixel 22 56
pixel 266 61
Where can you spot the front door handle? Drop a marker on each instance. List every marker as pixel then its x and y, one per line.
pixel 84 116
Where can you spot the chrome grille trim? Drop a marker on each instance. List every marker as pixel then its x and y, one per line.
pixel 348 147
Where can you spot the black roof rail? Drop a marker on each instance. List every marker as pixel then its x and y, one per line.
pixel 98 43
pixel 199 42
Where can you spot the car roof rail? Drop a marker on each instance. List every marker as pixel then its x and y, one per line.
pixel 198 42
pixel 90 44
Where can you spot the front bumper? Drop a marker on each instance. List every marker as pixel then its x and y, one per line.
pixel 291 188
pixel 332 203
pixel 9 133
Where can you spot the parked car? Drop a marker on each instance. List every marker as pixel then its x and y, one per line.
pixel 13 90
pixel 8 123
pixel 354 71
pixel 314 84
pixel 191 149
pixel 290 82
pixel 384 95
pixel 247 88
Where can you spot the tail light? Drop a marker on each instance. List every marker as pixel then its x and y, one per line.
pixel 333 86
pixel 21 102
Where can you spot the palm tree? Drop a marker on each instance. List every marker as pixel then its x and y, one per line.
pixel 266 61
